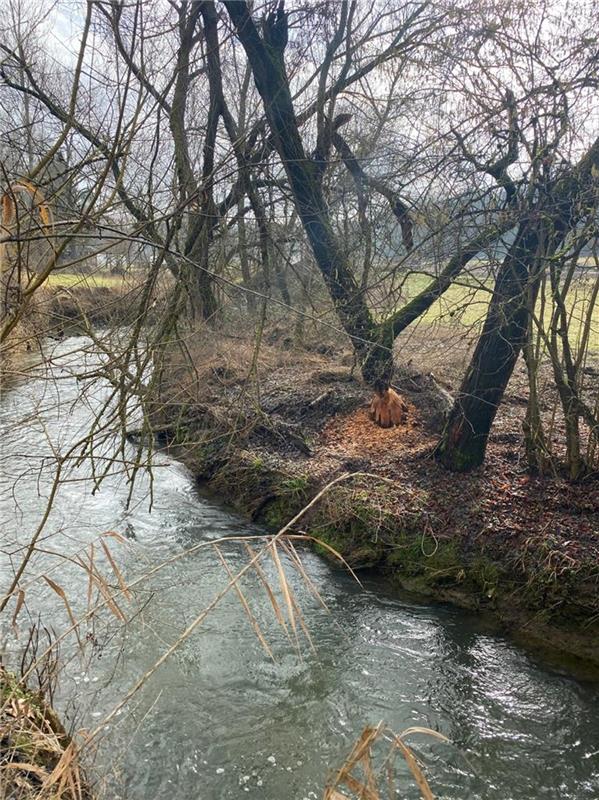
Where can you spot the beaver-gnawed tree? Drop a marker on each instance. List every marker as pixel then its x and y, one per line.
pixel 372 339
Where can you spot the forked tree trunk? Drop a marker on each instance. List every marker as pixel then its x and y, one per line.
pixel 268 67
pixel 372 341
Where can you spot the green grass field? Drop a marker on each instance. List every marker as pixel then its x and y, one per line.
pixel 465 304
pixel 71 279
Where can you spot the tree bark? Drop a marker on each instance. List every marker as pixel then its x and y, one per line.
pixel 268 67
pixel 558 212
pixel 504 333
pixel 372 342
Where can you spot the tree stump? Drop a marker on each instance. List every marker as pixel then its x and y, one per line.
pixel 388 408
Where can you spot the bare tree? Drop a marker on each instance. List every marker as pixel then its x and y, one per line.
pixel 372 340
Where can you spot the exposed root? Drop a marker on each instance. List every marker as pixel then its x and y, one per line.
pixel 388 409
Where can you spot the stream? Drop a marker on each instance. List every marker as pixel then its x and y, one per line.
pixel 220 719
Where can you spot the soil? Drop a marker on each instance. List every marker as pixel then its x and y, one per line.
pixel 499 539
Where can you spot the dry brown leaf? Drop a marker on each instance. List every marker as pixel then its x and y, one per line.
pixel 61 593
pixel 245 605
pixel 18 606
pixel 116 570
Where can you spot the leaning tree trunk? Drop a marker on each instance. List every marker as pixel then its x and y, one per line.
pixel 268 67
pixel 372 341
pixel 464 440
pixel 504 333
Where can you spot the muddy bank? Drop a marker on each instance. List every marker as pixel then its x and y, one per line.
pixel 521 548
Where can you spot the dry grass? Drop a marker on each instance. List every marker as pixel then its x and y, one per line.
pixel 38 759
pixel 90 280
pixel 365 780
pixel 204 358
pixel 19 348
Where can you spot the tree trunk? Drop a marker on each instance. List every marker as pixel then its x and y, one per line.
pixel 559 210
pixel 372 342
pixel 464 440
pixel 244 261
pixel 537 452
pixel 268 67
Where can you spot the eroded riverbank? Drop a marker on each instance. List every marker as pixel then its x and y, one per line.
pixel 520 548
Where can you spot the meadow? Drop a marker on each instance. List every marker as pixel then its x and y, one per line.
pixel 465 303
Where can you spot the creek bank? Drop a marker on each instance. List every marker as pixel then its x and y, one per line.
pixel 87 305
pixel 500 541
pixel 61 310
pixel 38 758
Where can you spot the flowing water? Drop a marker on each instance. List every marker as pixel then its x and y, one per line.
pixel 220 719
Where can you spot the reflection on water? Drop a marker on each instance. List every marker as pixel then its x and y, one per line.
pixel 219 719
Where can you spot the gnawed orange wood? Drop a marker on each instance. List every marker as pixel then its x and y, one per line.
pixel 39 204
pixel 388 408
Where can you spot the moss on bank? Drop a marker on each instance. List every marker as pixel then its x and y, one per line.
pixel 391 529
pixel 496 540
